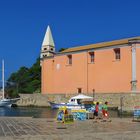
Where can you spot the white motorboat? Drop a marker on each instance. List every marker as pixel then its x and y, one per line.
pixel 74 102
pixel 4 101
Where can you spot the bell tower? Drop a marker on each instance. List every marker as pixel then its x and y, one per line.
pixel 48 47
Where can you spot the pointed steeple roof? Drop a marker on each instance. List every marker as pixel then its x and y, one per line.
pixel 48 39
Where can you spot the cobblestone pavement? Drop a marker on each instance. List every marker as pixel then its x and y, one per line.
pixel 48 129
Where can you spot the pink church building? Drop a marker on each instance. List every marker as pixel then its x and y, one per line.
pixel 106 67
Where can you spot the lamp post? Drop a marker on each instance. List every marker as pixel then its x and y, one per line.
pixel 93 94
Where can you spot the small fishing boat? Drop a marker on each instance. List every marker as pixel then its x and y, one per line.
pixel 73 103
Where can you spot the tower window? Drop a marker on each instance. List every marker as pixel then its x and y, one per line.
pixel 117 54
pixel 45 48
pixel 92 57
pixel 69 59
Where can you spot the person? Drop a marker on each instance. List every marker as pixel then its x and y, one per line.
pixel 105 111
pixel 96 111
pixel 66 111
pixel 60 115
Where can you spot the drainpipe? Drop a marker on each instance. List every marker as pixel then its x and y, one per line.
pixel 87 72
pixel 134 80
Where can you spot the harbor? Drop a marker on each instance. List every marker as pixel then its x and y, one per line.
pixel 40 123
pixel 69 70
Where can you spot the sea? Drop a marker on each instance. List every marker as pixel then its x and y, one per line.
pixel 36 112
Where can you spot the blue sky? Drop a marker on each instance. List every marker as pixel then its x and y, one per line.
pixel 73 23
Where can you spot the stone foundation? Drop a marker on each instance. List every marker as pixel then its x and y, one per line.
pixel 124 101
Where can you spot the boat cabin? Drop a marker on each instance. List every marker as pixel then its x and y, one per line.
pixel 77 99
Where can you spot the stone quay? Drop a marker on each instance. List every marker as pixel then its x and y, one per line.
pixel 26 128
pixel 121 101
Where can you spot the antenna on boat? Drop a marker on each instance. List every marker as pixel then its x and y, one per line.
pixel 2 79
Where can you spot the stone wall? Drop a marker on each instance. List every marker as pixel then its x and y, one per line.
pixel 124 101
pixel 40 100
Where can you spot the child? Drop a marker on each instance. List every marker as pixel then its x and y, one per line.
pixel 105 111
pixel 96 110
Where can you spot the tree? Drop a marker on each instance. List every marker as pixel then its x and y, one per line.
pixel 25 80
pixel 62 49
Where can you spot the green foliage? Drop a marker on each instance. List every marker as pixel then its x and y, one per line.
pixel 62 49
pixel 25 80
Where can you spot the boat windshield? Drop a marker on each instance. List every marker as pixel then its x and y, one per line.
pixel 78 101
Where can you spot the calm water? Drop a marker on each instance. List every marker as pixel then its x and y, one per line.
pixel 36 112
pixel 28 112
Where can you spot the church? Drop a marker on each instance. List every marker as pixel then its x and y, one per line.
pixel 106 67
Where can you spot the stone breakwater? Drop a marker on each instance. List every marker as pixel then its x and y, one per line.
pixel 124 101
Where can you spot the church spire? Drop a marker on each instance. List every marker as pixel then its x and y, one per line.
pixel 48 39
pixel 48 46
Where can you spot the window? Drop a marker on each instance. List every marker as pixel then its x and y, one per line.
pixel 117 54
pixel 92 57
pixel 72 100
pixel 45 48
pixel 79 90
pixel 70 59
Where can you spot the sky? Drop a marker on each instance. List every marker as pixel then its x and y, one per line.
pixel 23 24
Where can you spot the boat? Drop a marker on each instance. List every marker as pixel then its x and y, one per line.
pixel 73 103
pixel 4 102
pixel 8 102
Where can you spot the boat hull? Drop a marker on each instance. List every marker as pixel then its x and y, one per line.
pixel 8 102
pixel 69 106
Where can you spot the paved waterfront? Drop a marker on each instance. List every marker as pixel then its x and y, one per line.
pixel 48 129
